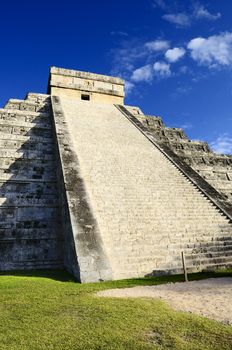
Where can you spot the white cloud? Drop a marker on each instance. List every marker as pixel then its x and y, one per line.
pixel 120 33
pixel 134 53
pixel 173 55
pixel 184 69
pixel 202 13
pixel 186 126
pixel 162 69
pixel 180 19
pixel 223 144
pixel 160 3
pixel 144 73
pixel 215 50
pixel 125 57
pixel 128 87
pixel 157 45
pixel 183 19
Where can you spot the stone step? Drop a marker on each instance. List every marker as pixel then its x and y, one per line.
pixel 208 255
pixel 33 265
pixel 204 246
pixel 13 123
pixel 217 246
pixel 27 154
pixel 194 259
pixel 20 169
pixel 186 240
pixel 26 138
pixel 24 238
pixel 31 251
pixel 28 202
pixel 25 144
pixel 29 233
pixel 38 98
pixel 29 224
pixel 196 237
pixel 34 186
pixel 32 164
pixel 190 269
pixel 180 229
pixel 217 243
pixel 24 105
pixel 11 178
pixel 210 252
pixel 36 217
pixel 29 195
pixel 22 175
pixel 25 131
pixel 207 262
pixel 17 182
pixel 13 115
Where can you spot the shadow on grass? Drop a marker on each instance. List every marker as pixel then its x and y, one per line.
pixel 57 275
pixel 64 276
pixel 168 279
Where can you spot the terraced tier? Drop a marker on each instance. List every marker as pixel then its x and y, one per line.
pixel 30 232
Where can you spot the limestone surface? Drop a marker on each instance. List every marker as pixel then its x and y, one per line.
pixel 97 187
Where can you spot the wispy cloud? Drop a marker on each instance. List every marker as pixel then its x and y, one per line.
pixel 157 45
pixel 162 69
pixel 151 60
pixel 212 51
pixel 144 73
pixel 178 93
pixel 159 69
pixel 179 19
pixel 129 87
pixel 186 126
pixel 173 55
pixel 160 3
pixel 202 13
pixel 119 33
pixel 188 15
pixel 126 57
pixel 129 59
pixel 223 144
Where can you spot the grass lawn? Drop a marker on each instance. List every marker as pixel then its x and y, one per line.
pixel 49 311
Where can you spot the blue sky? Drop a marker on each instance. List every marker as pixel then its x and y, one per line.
pixel 176 56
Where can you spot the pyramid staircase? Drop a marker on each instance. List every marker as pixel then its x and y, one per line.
pixel 208 244
pixel 187 218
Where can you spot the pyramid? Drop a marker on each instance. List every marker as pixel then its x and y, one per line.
pixel 94 186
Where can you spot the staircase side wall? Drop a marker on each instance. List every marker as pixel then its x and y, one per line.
pixel 84 255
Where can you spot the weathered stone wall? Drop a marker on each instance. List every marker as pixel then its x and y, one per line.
pixel 99 88
pixel 30 235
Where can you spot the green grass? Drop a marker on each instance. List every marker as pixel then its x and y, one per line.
pixel 48 310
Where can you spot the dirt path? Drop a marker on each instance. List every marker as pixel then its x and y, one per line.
pixel 211 298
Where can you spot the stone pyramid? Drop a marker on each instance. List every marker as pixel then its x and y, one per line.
pixel 98 188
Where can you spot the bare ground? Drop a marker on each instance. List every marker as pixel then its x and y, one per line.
pixel 211 298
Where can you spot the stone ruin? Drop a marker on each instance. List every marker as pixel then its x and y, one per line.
pixel 98 188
